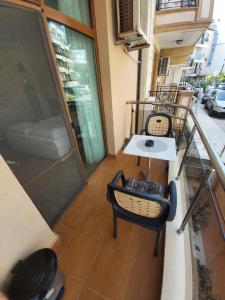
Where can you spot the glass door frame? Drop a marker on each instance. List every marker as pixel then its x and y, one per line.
pixel 47 43
pixel 54 71
pixel 55 15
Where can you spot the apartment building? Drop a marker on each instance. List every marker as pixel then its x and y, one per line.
pixel 66 76
pixel 178 27
pixel 200 59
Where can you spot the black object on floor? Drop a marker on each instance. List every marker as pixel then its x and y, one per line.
pixel 37 278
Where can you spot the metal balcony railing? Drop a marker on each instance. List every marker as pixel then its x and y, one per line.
pixel 180 124
pixel 165 94
pixel 202 173
pixel 166 4
pixel 187 86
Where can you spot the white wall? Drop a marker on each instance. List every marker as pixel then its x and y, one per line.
pixel 218 54
pixel 205 9
pixel 177 269
pixel 148 58
pixel 22 228
pixel 175 73
pixel 171 18
pixel 219 25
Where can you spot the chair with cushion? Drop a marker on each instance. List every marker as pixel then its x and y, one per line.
pixel 145 203
pixel 157 124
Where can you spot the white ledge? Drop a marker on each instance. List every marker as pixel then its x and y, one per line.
pixel 177 271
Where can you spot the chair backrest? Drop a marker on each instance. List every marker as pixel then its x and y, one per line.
pixel 158 124
pixel 150 206
pixel 137 205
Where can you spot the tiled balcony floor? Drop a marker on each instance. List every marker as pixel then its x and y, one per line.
pixel 95 265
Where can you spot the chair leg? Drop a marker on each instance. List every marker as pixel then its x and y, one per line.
pixel 138 161
pixel 157 242
pixel 167 166
pixel 114 225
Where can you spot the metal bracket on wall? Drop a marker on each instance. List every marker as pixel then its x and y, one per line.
pixel 128 53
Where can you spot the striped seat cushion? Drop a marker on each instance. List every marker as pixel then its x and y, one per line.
pixel 146 187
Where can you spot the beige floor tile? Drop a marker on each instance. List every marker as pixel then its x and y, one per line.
pixel 109 273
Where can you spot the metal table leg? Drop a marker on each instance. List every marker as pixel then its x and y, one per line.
pixel 148 170
pixel 147 174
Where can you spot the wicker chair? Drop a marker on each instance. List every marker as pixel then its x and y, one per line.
pixel 145 203
pixel 157 124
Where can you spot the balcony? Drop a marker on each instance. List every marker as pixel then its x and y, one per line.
pixel 187 20
pixel 204 239
pixel 165 4
pixel 96 266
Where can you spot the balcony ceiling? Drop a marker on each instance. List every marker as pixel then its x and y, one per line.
pixel 168 39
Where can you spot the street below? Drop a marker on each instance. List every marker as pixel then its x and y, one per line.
pixel 214 127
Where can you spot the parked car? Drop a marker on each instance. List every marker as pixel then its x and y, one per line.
pixel 216 103
pixel 206 96
pixel 221 86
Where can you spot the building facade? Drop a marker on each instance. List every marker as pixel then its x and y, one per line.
pixel 178 27
pixel 201 57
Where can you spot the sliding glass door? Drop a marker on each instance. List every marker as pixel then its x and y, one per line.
pixel 75 56
pixel 36 139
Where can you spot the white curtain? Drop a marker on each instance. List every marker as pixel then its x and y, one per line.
pixel 87 104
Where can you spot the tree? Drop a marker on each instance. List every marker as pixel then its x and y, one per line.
pixel 221 77
pixel 210 79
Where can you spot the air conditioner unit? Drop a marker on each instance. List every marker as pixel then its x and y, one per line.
pixel 164 66
pixel 133 23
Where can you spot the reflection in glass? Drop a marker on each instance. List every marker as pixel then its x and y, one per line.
pixel 32 128
pixel 54 197
pixel 76 60
pixel 33 133
pixel 77 9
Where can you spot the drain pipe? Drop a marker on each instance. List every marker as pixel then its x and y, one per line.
pixel 138 93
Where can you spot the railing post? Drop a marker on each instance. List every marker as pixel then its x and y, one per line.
pixel 182 131
pixel 214 157
pixel 138 90
pixel 131 121
pixel 223 150
pixel 194 201
pixel 157 4
pixel 186 151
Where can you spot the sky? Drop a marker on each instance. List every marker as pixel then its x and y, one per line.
pixel 219 54
pixel 219 13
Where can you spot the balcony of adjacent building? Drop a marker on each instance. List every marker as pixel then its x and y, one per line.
pixel 185 14
pixel 167 4
pixel 180 24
